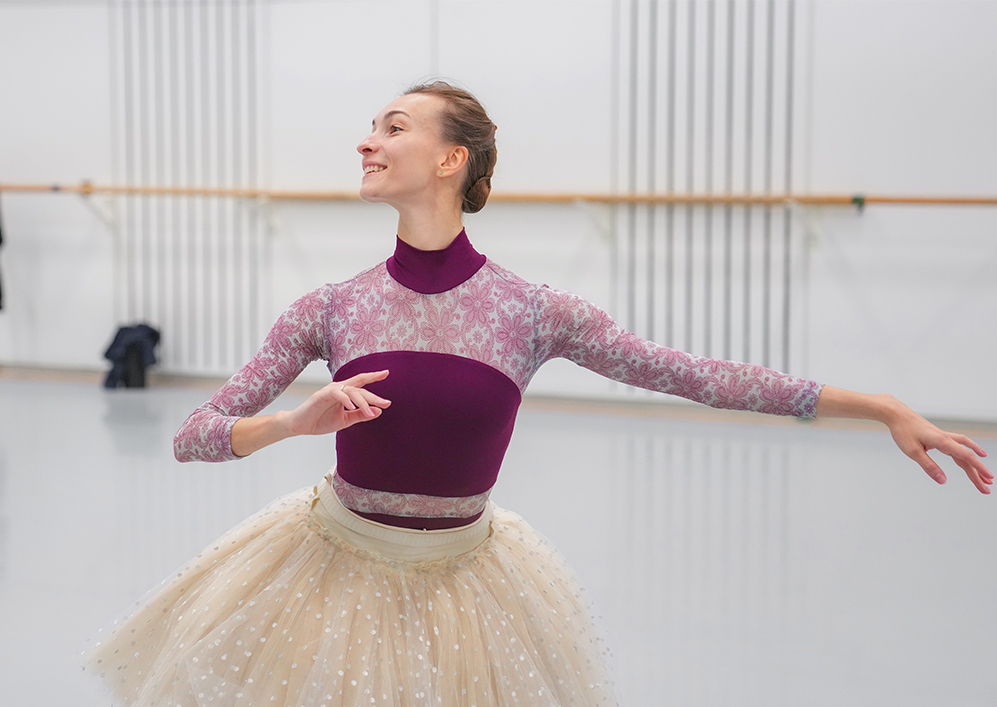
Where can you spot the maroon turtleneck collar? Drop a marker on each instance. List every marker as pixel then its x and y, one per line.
pixel 433 271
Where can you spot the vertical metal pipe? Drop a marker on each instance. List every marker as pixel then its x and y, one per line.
pixel 652 164
pixel 143 138
pixel 176 336
pixel 767 232
pixel 127 62
pixel 207 262
pixel 632 170
pixel 223 333
pixel 748 127
pixel 160 233
pixel 729 187
pixel 238 264
pixel 787 220
pixel 708 178
pixel 690 172
pixel 114 35
pixel 614 94
pixel 191 180
pixel 615 157
pixel 251 175
pixel 670 183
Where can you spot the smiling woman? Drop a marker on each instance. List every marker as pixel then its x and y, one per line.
pixel 395 580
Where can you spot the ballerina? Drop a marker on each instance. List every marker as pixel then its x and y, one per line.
pixel 395 580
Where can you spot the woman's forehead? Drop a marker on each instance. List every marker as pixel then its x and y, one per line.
pixel 420 108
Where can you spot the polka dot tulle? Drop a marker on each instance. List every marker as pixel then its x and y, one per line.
pixel 281 611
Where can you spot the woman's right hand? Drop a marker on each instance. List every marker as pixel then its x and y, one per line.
pixel 337 406
pixel 333 408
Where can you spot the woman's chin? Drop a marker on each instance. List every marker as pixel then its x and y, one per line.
pixel 371 196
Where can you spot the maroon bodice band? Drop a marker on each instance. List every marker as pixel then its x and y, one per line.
pixel 444 435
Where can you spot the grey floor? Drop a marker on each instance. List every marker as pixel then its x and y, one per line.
pixel 736 561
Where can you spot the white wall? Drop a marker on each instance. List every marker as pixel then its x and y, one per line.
pixel 56 259
pixel 900 100
pixel 903 299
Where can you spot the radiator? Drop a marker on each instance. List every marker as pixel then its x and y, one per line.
pixel 705 103
pixel 186 83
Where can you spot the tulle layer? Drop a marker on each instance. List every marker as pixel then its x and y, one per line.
pixel 282 611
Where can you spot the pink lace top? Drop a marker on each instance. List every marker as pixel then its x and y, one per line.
pixel 459 360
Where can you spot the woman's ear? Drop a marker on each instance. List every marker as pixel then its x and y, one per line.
pixel 454 161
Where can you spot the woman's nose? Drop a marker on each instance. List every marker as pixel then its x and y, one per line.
pixel 367 145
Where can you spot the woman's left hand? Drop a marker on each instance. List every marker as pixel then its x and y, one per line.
pixel 916 437
pixel 913 434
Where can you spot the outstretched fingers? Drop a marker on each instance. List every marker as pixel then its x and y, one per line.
pixel 355 398
pixel 968 460
pixel 964 452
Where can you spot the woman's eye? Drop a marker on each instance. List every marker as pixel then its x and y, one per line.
pixel 394 128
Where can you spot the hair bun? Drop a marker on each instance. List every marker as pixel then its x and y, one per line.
pixel 476 195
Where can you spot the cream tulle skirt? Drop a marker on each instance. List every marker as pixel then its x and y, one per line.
pixel 306 604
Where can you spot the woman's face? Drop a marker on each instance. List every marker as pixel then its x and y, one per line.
pixel 404 153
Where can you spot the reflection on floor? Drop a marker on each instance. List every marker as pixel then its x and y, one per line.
pixel 735 562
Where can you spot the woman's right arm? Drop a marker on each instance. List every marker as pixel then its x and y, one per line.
pixel 297 338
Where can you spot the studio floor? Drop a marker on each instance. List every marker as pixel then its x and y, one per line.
pixel 736 560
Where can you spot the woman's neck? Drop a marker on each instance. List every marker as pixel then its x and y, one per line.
pixel 429 229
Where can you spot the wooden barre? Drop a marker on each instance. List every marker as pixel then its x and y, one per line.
pixel 860 200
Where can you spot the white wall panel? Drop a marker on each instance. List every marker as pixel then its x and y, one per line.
pixel 901 298
pixel 333 67
pixel 903 98
pixel 544 71
pixel 56 258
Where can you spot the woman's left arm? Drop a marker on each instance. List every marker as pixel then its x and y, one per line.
pixel 913 434
pixel 573 328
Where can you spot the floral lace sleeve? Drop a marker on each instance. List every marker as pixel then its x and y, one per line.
pixel 297 339
pixel 574 328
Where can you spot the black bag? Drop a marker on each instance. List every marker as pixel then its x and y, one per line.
pixel 131 352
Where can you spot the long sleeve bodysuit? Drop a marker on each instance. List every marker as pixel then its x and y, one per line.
pixel 462 337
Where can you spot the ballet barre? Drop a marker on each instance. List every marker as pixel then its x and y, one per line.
pixel 858 200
